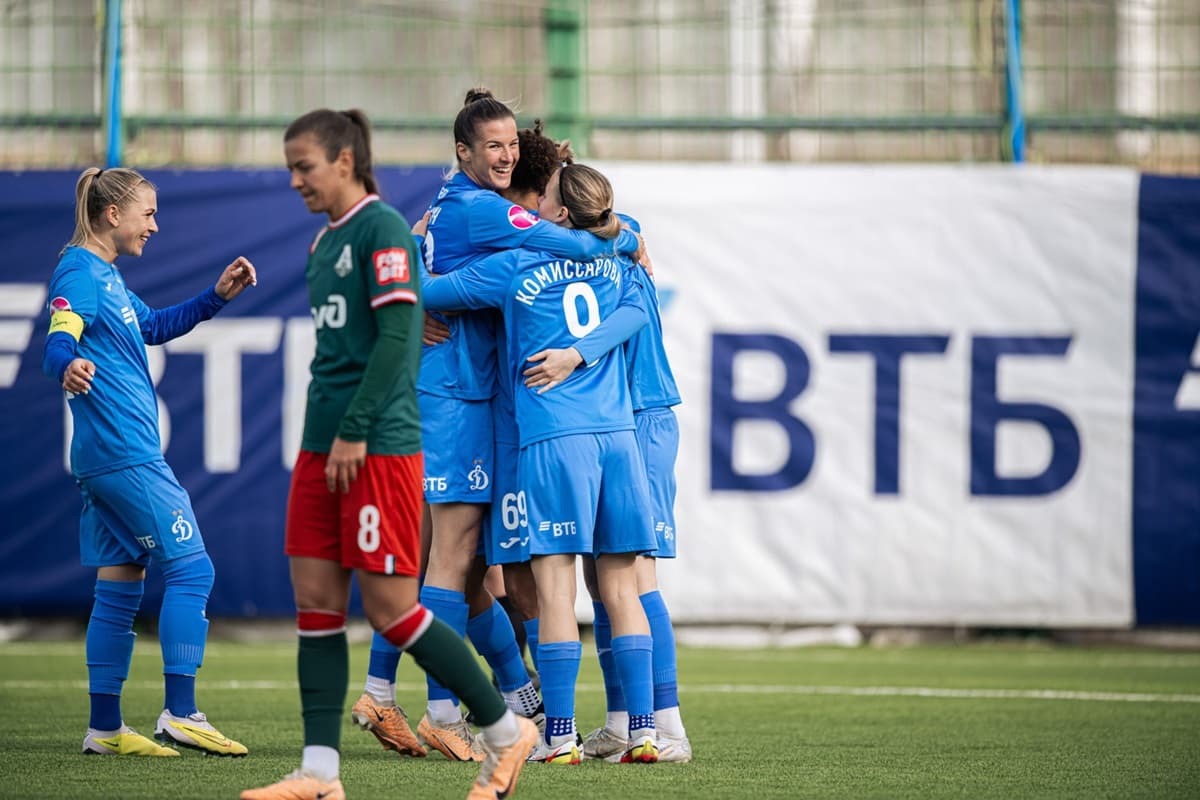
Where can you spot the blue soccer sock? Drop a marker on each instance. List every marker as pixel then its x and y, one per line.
pixel 634 660
pixel 516 619
pixel 602 631
pixel 492 634
pixel 381 669
pixel 559 668
pixel 109 648
pixel 531 640
pixel 451 608
pixel 666 686
pixel 105 712
pixel 183 628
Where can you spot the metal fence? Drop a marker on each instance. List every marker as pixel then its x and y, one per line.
pixel 215 81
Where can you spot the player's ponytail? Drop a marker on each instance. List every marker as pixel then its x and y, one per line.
pixel 566 153
pixel 363 168
pixel 336 131
pixel 588 197
pixel 479 107
pixel 95 191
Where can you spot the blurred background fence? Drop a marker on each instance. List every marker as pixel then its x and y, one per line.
pixel 206 82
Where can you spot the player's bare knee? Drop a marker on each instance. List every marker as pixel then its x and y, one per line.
pixel 647 574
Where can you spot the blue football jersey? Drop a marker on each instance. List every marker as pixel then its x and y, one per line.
pixel 651 382
pixel 551 302
pixel 116 423
pixel 467 223
pixel 504 412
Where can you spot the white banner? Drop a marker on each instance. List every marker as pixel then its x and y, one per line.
pixel 907 391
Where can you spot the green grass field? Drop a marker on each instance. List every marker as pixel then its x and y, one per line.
pixel 1003 720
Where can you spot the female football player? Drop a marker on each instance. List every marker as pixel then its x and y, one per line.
pixel 355 500
pixel 582 478
pixel 133 506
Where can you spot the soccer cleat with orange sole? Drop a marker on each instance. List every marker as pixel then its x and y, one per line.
pixel 299 785
pixel 502 766
pixel 388 724
pixel 454 741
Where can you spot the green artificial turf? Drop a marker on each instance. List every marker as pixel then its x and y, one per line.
pixel 1009 720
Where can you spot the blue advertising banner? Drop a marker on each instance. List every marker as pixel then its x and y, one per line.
pixel 1166 404
pixel 206 219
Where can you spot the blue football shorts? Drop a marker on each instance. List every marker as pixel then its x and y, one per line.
pixel 506 526
pixel 586 493
pixel 658 441
pixel 136 513
pixel 456 436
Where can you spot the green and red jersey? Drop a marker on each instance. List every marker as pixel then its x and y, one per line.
pixel 365 297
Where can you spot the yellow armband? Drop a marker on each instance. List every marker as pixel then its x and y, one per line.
pixel 66 322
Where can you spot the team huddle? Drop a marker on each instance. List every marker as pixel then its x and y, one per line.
pixel 489 391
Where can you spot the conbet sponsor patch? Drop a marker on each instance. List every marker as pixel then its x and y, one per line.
pixel 521 219
pixel 391 265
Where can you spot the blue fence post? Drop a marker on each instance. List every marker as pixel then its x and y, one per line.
pixel 1015 111
pixel 112 83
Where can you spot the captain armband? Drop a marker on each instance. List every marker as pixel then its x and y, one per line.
pixel 66 322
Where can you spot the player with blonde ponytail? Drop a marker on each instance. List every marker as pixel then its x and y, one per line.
pixel 133 506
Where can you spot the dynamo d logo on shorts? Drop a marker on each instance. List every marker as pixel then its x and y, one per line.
pixel 477 478
pixel 181 527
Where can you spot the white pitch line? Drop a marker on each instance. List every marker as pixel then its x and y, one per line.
pixel 712 688
pixel 1098 660
pixel 927 691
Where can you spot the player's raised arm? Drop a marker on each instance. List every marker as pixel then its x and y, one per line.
pixel 498 224
pixel 550 367
pixel 480 285
pixel 160 325
pixel 98 353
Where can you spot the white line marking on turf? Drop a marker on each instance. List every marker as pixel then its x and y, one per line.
pixel 1188 660
pixel 926 691
pixel 714 688
pixel 1114 660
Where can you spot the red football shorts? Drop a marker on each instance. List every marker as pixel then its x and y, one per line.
pixel 375 527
